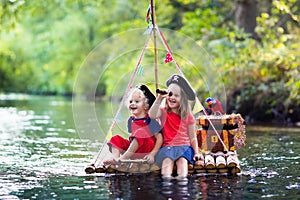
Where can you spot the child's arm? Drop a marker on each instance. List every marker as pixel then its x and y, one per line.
pixel 154 111
pixel 158 143
pixel 194 141
pixel 133 147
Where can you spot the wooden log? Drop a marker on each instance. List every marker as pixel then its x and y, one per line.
pixel 220 160
pixel 199 164
pixel 133 167
pixel 222 171
pixel 212 170
pixel 209 162
pixel 200 171
pixel 232 160
pixel 123 167
pixel 90 169
pixel 155 168
pixel 111 169
pixel 190 169
pixel 144 167
pixel 100 169
pixel 236 169
pixel 190 166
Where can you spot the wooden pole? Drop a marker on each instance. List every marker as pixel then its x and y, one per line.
pixel 154 41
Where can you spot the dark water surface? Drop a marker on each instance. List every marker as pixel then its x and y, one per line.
pixel 42 156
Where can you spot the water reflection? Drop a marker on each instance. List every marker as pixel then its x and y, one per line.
pixel 43 157
pixel 178 189
pixel 152 186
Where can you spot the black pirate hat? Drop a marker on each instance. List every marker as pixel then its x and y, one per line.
pixel 148 94
pixel 184 84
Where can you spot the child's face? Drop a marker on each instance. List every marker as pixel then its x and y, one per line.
pixel 174 100
pixel 137 105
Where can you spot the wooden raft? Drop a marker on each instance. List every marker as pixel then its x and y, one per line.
pixel 213 163
pixel 217 158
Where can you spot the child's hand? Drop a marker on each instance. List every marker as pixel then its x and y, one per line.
pixel 149 158
pixel 163 93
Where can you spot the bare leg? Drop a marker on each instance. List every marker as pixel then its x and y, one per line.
pixel 133 147
pixel 115 154
pixel 182 167
pixel 167 168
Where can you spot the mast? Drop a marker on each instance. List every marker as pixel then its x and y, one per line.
pixel 154 42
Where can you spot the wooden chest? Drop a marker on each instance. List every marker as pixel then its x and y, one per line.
pixel 209 127
pixel 209 141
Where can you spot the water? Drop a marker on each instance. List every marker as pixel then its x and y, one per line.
pixel 42 156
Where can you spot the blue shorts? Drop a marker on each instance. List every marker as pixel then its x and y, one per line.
pixel 175 152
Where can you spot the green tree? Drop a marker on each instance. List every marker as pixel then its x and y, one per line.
pixel 263 74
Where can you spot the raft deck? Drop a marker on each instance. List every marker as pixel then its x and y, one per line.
pixel 219 138
pixel 213 163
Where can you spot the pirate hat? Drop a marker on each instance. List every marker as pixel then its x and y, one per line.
pixel 148 94
pixel 184 84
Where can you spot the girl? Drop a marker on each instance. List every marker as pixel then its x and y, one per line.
pixel 180 143
pixel 145 139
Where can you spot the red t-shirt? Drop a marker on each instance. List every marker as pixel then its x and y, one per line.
pixel 175 129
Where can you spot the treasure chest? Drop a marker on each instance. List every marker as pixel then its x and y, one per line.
pixel 208 140
pixel 218 133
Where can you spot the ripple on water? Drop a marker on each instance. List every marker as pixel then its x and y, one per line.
pixel 41 157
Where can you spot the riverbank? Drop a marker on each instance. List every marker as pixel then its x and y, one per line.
pixel 272 127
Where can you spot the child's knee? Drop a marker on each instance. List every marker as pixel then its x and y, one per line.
pixel 181 161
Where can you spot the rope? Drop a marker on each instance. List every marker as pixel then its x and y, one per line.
pixel 155 28
pixel 168 48
pixel 123 98
pixel 178 67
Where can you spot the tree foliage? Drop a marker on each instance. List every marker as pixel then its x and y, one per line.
pixel 261 76
pixel 43 44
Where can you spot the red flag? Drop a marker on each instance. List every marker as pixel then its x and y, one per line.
pixel 168 58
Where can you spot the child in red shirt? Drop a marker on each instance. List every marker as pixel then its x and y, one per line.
pixel 145 139
pixel 180 143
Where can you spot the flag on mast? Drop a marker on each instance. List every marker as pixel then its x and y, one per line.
pixel 169 58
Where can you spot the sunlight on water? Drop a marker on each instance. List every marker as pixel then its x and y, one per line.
pixel 43 157
pixel 34 147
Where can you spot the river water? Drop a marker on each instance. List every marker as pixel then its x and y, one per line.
pixel 43 156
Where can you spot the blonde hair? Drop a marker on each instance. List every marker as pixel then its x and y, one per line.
pixel 184 108
pixel 141 94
